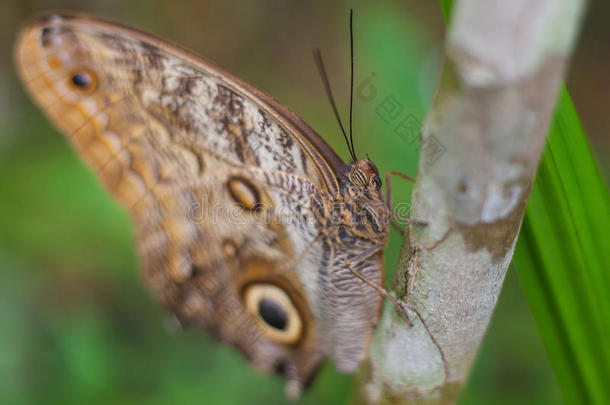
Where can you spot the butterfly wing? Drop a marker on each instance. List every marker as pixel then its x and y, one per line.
pixel 219 178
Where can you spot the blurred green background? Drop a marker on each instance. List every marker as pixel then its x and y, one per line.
pixel 76 322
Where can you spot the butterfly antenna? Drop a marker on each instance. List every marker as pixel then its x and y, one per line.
pixel 320 64
pixel 351 81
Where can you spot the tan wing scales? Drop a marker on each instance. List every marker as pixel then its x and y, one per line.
pixel 225 186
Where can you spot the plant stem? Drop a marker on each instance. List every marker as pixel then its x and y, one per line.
pixel 480 148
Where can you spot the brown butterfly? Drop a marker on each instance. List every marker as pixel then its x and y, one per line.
pixel 248 223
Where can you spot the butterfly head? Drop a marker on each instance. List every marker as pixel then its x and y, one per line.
pixel 364 191
pixel 364 174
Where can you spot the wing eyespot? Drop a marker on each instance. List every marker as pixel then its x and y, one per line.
pixel 244 193
pixel 272 313
pixel 83 80
pixel 229 248
pixel 48 36
pixel 275 312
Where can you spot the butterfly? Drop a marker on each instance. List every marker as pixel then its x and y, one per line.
pixel 248 223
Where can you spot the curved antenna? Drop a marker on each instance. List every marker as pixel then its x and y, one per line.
pixel 320 64
pixel 351 80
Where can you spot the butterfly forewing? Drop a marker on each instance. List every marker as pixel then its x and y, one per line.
pixel 222 183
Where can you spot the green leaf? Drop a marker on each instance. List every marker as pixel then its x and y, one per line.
pixel 563 257
pixel 446 7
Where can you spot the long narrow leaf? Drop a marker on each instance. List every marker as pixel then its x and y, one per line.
pixel 562 258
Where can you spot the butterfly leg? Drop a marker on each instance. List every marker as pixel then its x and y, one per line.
pixel 388 190
pixel 294 387
pixel 388 197
pixel 397 227
pixel 380 289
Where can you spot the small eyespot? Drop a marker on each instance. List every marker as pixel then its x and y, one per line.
pixel 375 182
pixel 46 36
pixel 83 80
pixel 229 248
pixel 275 312
pixel 244 193
pixel 51 35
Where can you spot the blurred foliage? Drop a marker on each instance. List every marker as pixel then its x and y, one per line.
pixel 78 324
pixel 563 259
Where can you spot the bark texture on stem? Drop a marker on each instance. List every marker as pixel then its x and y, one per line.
pixel 505 61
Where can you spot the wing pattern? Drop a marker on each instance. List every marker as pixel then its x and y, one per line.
pixel 221 182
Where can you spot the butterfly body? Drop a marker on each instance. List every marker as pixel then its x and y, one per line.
pixel 245 218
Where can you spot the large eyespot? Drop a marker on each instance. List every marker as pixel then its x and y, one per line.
pixel 83 80
pixel 375 182
pixel 275 312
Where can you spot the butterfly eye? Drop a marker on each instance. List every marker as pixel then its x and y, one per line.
pixel 375 182
pixel 357 176
pixel 83 80
pixel 275 312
